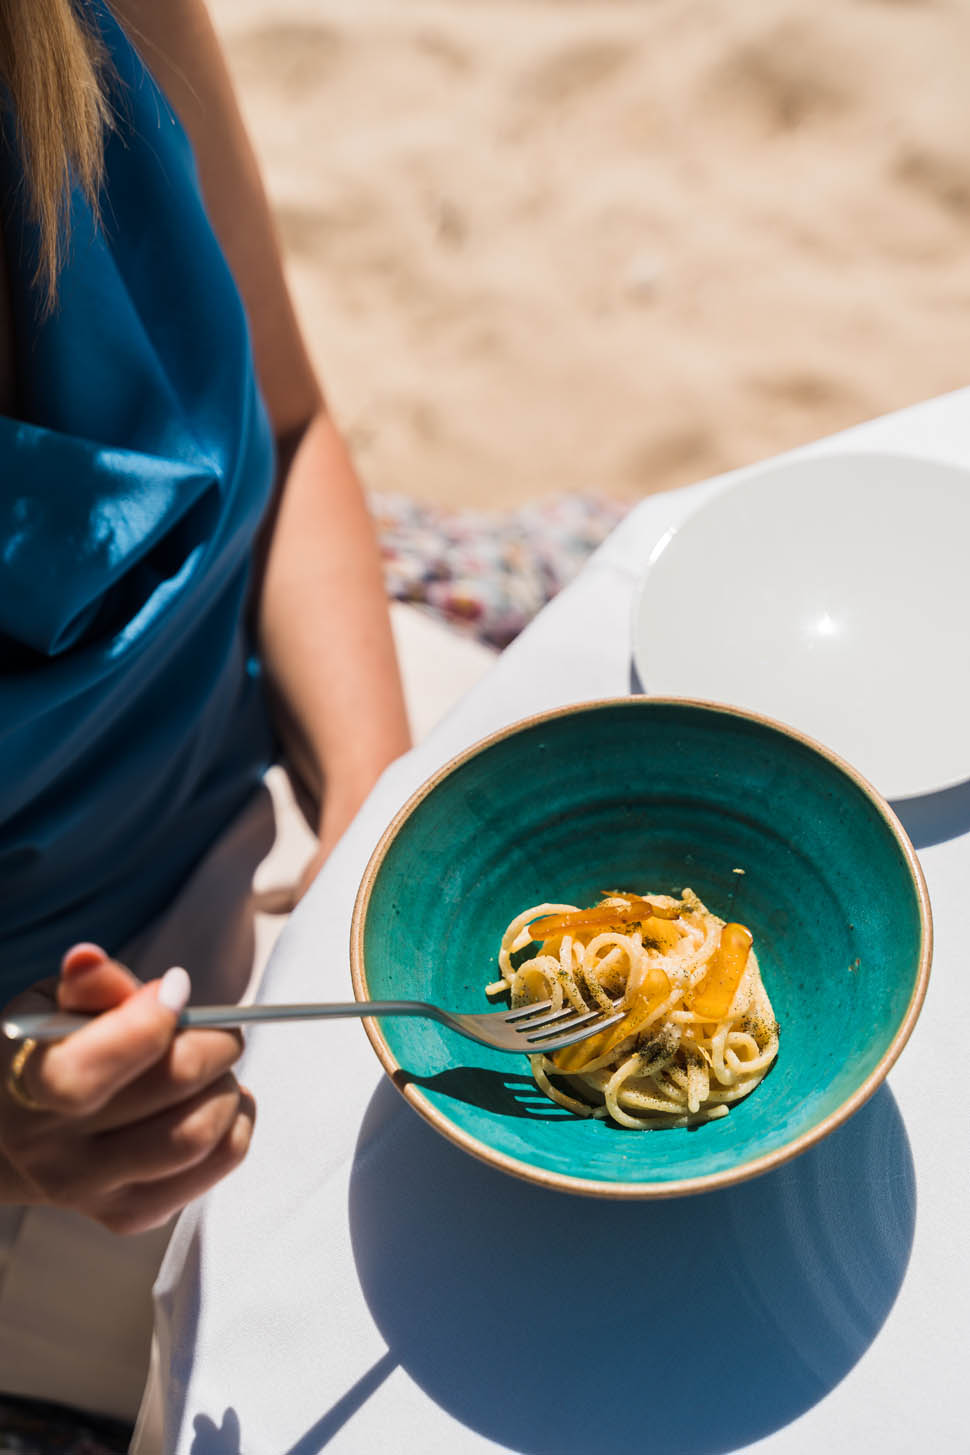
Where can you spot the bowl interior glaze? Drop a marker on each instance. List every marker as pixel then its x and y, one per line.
pixel 649 795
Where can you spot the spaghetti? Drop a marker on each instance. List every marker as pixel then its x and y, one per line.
pixel 698 1034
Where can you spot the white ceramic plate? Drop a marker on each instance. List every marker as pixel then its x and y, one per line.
pixel 831 592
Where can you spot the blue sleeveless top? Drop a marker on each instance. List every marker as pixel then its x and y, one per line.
pixel 132 482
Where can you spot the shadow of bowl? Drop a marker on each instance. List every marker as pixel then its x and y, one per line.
pixel 527 1313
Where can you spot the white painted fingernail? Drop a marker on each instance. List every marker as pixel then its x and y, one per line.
pixel 174 989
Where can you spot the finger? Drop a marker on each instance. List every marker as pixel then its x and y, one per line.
pixel 77 1076
pixel 166 1144
pixel 81 955
pixel 194 1060
pixel 140 1206
pixel 91 981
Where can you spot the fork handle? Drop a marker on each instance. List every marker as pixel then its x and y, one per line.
pixel 58 1024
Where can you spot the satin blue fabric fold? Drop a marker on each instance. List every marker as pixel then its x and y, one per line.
pixel 134 474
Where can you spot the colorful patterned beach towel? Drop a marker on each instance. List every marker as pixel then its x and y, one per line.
pixel 488 573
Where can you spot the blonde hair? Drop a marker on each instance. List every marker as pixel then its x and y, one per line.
pixel 54 64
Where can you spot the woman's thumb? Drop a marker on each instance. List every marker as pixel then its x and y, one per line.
pixel 91 981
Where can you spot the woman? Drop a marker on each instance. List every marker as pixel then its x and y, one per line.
pixel 189 585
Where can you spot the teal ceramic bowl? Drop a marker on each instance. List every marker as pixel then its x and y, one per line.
pixel 647 794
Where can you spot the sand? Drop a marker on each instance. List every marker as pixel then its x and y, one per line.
pixel 612 245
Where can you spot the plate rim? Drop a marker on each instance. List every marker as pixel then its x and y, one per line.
pixel 751 476
pixel 639 1191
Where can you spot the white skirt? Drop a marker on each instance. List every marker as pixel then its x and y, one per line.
pixel 75 1300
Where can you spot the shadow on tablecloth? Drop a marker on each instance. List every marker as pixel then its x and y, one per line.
pixel 558 1325
pixel 933 818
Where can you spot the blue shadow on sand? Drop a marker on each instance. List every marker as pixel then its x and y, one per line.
pixel 559 1325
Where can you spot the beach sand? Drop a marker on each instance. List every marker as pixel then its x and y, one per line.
pixel 612 246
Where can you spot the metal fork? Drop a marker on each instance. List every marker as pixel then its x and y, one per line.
pixel 527 1030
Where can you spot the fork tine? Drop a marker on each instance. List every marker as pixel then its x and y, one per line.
pixel 563 1019
pixel 551 1018
pixel 527 1010
pixel 576 1030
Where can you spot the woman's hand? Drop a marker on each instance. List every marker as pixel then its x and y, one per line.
pixel 132 1120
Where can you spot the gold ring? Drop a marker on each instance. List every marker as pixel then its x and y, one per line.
pixel 15 1077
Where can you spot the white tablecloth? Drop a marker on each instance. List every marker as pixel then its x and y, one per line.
pixel 360 1284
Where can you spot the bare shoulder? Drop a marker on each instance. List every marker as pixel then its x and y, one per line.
pixel 165 31
pixel 178 43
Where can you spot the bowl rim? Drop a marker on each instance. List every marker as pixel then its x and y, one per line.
pixel 638 1191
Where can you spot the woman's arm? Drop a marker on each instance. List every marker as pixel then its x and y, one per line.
pixel 321 612
pixel 325 632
